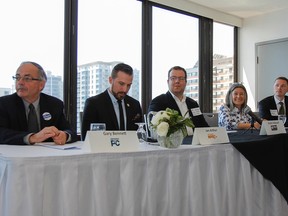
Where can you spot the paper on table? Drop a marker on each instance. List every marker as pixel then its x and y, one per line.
pixel 55 146
pixel 232 131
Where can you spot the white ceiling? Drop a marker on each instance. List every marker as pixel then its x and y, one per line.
pixel 244 8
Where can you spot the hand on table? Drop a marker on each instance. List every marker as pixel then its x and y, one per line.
pixel 58 136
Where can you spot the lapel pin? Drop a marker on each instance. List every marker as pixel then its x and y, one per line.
pixel 47 116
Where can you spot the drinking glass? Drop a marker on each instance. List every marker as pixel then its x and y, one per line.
pixel 141 133
pixel 282 118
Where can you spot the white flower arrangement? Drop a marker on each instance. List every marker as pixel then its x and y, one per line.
pixel 169 121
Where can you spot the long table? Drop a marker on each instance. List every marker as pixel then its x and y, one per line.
pixel 211 180
pixel 268 154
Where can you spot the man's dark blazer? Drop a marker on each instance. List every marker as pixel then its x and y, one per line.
pixel 99 109
pixel 13 120
pixel 268 104
pixel 164 101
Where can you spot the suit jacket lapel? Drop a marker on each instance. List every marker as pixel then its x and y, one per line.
pixel 21 113
pixel 110 110
pixel 273 102
pixel 174 105
pixel 47 109
pixel 43 106
pixel 189 110
pixel 127 110
pixel 286 106
pixel 172 102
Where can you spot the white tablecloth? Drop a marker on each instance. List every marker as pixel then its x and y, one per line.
pixel 202 181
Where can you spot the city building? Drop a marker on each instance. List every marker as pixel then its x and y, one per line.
pixel 54 85
pixel 5 91
pixel 223 77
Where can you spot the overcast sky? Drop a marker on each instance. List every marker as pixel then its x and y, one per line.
pixel 37 35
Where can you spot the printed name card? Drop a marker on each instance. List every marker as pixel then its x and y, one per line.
pixel 111 141
pixel 272 127
pixel 210 135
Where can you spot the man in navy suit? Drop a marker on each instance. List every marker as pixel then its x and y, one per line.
pixel 50 121
pixel 175 98
pixel 269 107
pixel 104 107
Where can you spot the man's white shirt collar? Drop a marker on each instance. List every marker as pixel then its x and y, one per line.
pixel 177 99
pixel 277 100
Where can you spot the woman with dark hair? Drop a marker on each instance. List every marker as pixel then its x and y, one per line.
pixel 233 114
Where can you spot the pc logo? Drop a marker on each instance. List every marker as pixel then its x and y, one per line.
pixel 115 141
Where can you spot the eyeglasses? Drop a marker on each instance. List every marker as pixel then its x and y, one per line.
pixel 173 78
pixel 25 78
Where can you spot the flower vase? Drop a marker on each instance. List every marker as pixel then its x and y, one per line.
pixel 173 141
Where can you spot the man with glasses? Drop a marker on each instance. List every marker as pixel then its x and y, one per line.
pixel 175 99
pixel 29 116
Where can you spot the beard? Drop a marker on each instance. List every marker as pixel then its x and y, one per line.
pixel 118 95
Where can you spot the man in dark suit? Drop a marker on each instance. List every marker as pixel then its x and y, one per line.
pixel 270 107
pixel 175 98
pixel 49 123
pixel 104 108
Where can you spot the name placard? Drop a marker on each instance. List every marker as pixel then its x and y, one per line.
pixel 111 141
pixel 210 135
pixel 272 127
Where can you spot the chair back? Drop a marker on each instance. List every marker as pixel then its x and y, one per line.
pixel 211 119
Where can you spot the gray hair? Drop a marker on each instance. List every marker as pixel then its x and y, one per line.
pixel 229 97
pixel 41 72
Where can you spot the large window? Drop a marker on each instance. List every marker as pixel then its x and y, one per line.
pixel 32 30
pixel 108 32
pixel 175 43
pixel 223 62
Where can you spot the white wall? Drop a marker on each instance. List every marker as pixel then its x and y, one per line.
pixel 202 11
pixel 254 30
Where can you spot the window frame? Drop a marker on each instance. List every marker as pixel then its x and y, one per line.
pixel 205 58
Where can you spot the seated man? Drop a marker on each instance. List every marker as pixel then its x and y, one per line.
pixel 175 99
pixel 107 106
pixel 29 116
pixel 271 107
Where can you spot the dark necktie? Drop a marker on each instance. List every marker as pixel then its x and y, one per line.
pixel 281 110
pixel 32 120
pixel 121 115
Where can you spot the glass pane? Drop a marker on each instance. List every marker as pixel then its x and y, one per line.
pixel 32 30
pixel 223 60
pixel 175 43
pixel 108 32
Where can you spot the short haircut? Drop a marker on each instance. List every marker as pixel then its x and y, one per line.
pixel 177 68
pixel 229 98
pixel 41 72
pixel 281 78
pixel 121 67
